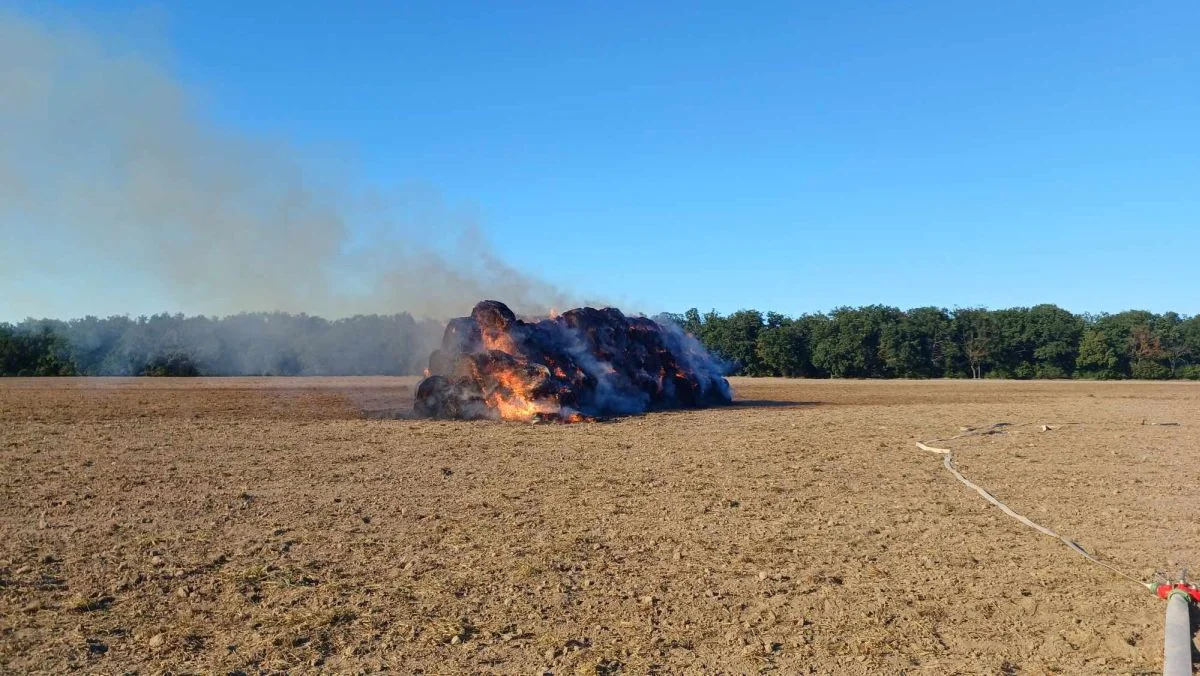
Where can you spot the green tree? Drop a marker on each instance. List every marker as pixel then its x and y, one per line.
pixel 849 345
pixel 1189 350
pixel 1099 356
pixel 1170 332
pixel 174 364
pixel 1053 334
pixel 974 333
pixel 918 344
pixel 1128 340
pixel 783 348
pixel 735 339
pixel 33 351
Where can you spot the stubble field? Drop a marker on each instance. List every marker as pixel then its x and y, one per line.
pixel 257 525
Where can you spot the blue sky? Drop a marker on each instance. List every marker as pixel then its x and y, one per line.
pixel 788 156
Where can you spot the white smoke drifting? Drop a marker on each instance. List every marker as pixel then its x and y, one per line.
pixel 109 176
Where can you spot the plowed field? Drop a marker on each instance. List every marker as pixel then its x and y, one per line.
pixel 255 525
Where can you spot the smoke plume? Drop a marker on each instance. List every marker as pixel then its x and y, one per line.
pixel 110 176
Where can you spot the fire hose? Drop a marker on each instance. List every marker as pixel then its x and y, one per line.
pixel 1177 640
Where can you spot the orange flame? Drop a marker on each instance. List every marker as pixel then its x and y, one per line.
pixel 499 340
pixel 513 397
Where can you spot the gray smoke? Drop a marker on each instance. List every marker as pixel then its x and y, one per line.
pixel 108 175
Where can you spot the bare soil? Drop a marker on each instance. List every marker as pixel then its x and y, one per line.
pixel 256 525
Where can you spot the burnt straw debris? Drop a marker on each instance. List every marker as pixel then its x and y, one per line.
pixel 580 365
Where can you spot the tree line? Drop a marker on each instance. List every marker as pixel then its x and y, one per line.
pixel 874 341
pixel 877 341
pixel 272 343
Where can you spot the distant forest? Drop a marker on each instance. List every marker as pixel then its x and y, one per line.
pixel 274 344
pixel 866 342
pixel 877 341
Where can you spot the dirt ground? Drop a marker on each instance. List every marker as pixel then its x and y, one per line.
pixel 258 525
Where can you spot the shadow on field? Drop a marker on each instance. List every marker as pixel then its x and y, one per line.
pixel 390 414
pixel 408 414
pixel 771 403
pixel 1195 621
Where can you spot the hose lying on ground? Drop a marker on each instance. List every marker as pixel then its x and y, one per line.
pixel 1177 644
pixel 948 462
pixel 1177 637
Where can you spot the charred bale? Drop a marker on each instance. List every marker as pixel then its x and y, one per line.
pixel 494 315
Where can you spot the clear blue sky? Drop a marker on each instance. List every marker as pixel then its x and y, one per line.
pixel 790 156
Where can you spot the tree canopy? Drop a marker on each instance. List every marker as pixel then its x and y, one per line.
pixel 876 341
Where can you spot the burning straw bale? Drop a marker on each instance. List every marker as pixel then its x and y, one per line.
pixel 579 365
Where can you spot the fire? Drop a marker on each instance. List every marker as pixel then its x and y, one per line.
pixel 514 399
pixel 496 340
pixel 572 367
